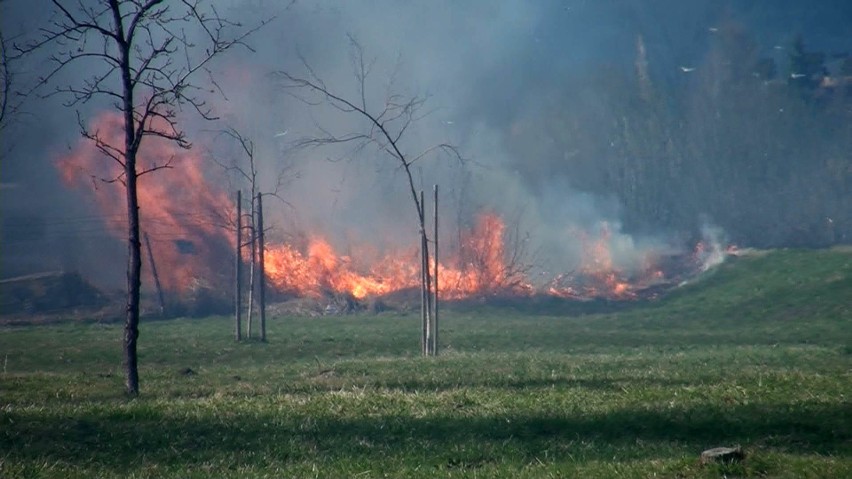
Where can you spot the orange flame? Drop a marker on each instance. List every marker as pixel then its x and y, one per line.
pixel 179 210
pixel 184 215
pixel 598 277
pixel 320 269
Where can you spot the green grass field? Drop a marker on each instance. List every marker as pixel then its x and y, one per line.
pixel 757 353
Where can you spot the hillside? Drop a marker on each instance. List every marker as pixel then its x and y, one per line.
pixel 756 353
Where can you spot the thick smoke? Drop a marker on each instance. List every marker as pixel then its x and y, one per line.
pixel 474 63
pixel 524 89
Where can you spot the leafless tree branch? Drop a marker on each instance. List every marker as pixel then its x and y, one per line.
pixel 165 166
pixel 142 60
pixel 387 127
pixel 8 106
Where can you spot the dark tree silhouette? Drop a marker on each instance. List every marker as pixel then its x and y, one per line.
pixel 8 104
pixel 388 121
pixel 144 57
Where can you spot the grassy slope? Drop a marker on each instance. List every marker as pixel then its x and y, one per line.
pixel 757 353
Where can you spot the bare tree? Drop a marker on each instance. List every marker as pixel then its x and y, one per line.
pixel 246 171
pixel 5 82
pixel 388 121
pixel 144 60
pixel 9 105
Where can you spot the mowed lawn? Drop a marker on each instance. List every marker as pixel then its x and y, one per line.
pixel 757 353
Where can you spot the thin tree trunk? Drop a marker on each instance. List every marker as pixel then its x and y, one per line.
pixel 428 287
pixel 435 256
pixel 134 246
pixel 423 326
pixel 252 274
pixel 427 283
pixel 134 280
pixel 252 268
pixel 262 275
pixel 156 276
pixel 238 272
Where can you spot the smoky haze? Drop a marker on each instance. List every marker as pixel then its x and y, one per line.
pixel 650 121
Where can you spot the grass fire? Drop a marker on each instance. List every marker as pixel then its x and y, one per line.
pixel 431 238
pixel 191 220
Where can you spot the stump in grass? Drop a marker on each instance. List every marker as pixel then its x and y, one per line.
pixel 724 455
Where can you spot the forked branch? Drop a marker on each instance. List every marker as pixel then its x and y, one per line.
pixel 388 124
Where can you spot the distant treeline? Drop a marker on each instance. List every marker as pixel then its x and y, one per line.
pixel 759 145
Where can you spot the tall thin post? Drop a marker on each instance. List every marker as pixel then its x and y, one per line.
pixel 252 265
pixel 262 276
pixel 156 276
pixel 252 271
pixel 435 256
pixel 238 272
pixel 427 275
pixel 423 293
